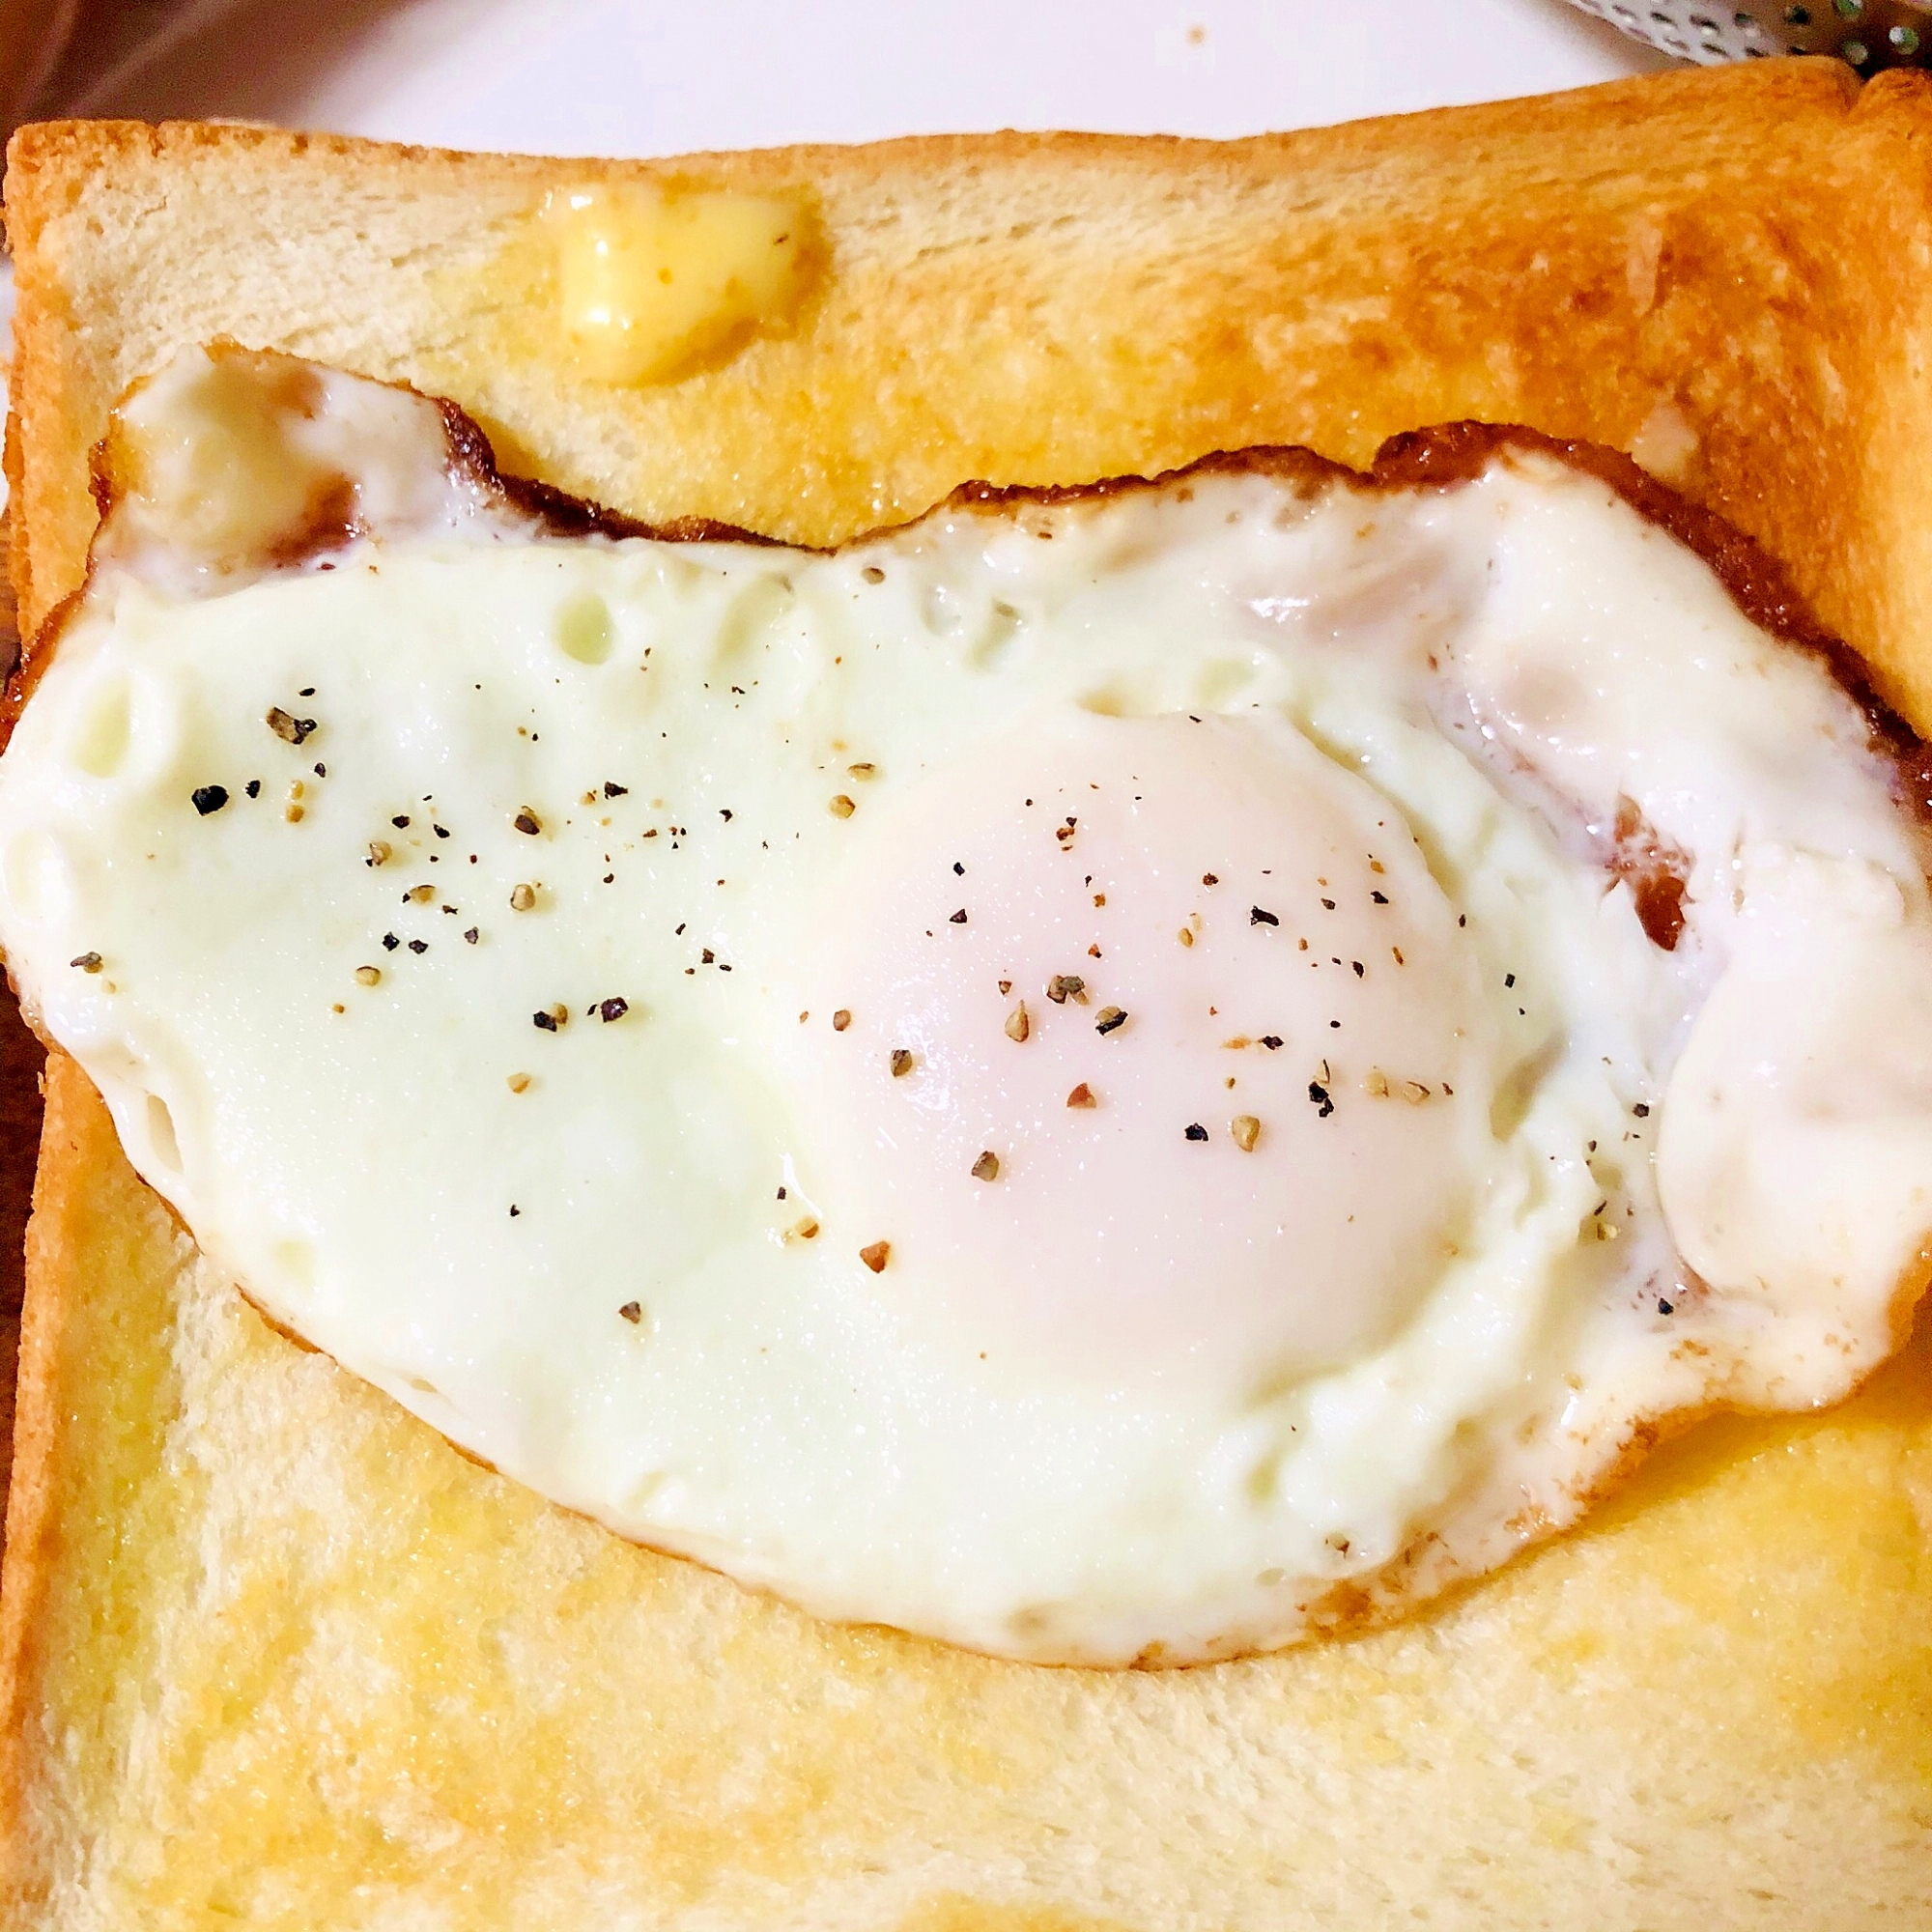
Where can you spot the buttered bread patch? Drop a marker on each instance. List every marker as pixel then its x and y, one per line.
pixel 1112 1078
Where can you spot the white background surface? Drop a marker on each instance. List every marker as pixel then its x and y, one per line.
pixel 663 76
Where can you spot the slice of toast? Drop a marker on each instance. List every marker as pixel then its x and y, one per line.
pixel 275 1655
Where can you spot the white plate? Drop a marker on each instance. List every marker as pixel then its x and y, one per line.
pixel 622 77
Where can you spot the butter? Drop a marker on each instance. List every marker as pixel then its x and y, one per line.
pixel 651 283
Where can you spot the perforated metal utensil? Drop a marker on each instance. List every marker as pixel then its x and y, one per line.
pixel 1865 34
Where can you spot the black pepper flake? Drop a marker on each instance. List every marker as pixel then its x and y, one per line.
pixel 470 936
pixel 322 772
pixel 1109 1020
pixel 1258 915
pixel 1195 1132
pixel 1318 1094
pixel 1641 1110
pixel 209 798
pixel 400 821
pixel 958 918
pixel 1380 899
pixel 1209 879
pixel 515 1210
pixel 612 1009
pixel 528 823
pixel 253 787
pixel 1664 1307
pixel 418 946
pixel 1328 905
pixel 632 1312
pixel 545 1021
pixel 1509 979
pixel 1360 970
pixel 724 812
pixel 1270 1040
pixel 307 690
pixel 959 870
pixel 612 789
pixel 390 941
pixel 440 831
pixel 289 729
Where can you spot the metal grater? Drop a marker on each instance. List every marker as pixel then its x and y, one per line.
pixel 1866 34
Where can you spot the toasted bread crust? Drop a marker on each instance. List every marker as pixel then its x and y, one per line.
pixel 280 1655
pixel 32 1513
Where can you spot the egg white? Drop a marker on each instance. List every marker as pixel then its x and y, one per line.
pixel 632 1278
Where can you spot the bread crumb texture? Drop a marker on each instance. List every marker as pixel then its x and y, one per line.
pixel 278 1656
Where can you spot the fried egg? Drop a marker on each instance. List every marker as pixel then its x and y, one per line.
pixel 1108 1077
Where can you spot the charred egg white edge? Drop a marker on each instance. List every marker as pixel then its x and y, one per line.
pixel 723 1278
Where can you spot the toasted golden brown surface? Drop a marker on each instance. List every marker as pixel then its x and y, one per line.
pixel 278 1656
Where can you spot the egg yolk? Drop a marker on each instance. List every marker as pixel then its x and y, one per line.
pixel 1162 1054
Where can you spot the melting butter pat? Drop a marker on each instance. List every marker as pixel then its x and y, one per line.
pixel 650 283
